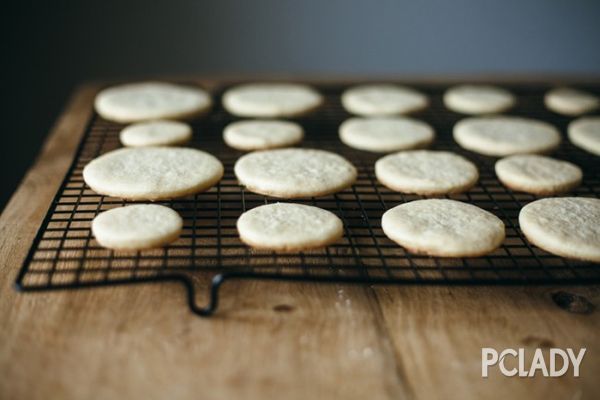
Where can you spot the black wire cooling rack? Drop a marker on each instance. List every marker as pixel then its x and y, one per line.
pixel 64 255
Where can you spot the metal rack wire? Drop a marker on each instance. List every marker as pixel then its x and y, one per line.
pixel 64 255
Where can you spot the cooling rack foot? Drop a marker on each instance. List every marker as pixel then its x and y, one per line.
pixel 213 299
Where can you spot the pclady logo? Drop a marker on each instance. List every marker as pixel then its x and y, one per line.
pixel 553 362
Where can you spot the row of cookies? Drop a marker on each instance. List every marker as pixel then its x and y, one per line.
pixel 386 99
pixel 278 100
pixel 290 100
pixel 492 135
pixel 253 170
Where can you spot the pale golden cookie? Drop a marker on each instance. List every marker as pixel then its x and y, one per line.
pixel 426 172
pixel 137 227
pixel 572 102
pixel 478 99
pixel 143 101
pixel 271 100
pixel 286 227
pixel 585 133
pixel 539 175
pixel 383 100
pixel 385 134
pixel 506 135
pixel 443 228
pixel 292 173
pixel 152 173
pixel 156 133
pixel 565 226
pixel 262 134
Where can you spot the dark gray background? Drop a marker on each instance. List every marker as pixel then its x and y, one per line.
pixel 51 46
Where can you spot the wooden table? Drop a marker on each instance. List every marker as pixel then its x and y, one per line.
pixel 269 340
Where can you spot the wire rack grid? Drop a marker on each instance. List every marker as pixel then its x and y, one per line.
pixel 64 254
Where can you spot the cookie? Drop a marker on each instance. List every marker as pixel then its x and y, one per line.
pixel 565 226
pixel 143 101
pixel 504 135
pixel 443 228
pixel 156 133
pixel 538 175
pixel 152 173
pixel 285 227
pixel 292 173
pixel 385 134
pixel 271 100
pixel 137 227
pixel 478 99
pixel 383 100
pixel 571 102
pixel 427 173
pixel 262 134
pixel 585 133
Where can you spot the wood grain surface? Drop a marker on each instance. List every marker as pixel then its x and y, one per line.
pixel 269 340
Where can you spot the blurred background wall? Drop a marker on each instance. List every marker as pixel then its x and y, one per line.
pixel 51 46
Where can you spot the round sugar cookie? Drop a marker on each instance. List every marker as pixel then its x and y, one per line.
pixel 152 173
pixel 585 133
pixel 262 134
pixel 478 99
pixel 292 173
pixel 571 102
pixel 156 133
pixel 443 228
pixel 565 226
pixel 426 172
pixel 137 227
pixel 505 135
pixel 142 101
pixel 285 227
pixel 385 134
pixel 271 100
pixel 536 174
pixel 383 100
